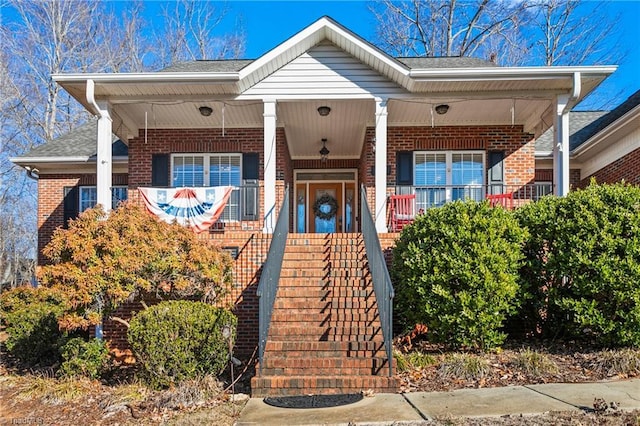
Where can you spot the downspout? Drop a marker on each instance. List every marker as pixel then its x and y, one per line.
pixel 91 99
pixel 564 104
pixel 32 172
pixel 102 115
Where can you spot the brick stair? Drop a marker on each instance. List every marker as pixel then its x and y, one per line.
pixel 325 335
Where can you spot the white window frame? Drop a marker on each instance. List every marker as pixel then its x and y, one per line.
pixel 83 188
pixel 448 185
pixel 206 164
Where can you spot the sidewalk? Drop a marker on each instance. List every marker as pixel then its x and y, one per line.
pixel 413 408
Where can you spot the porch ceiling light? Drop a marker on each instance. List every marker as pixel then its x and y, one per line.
pixel 442 109
pixel 324 152
pixel 324 110
pixel 205 111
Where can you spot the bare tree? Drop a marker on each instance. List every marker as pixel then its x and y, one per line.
pixel 42 38
pixel 569 32
pixel 190 32
pixel 446 28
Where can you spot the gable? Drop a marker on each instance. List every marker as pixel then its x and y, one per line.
pixel 325 71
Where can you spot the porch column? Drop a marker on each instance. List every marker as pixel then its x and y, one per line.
pixel 381 166
pixel 561 146
pixel 269 165
pixel 103 157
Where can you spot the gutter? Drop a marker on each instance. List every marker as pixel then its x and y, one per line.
pixel 519 73
pixel 137 78
pixel 24 161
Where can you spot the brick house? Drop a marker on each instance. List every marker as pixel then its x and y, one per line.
pixel 323 113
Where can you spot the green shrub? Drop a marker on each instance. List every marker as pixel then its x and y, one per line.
pixel 455 269
pixel 84 358
pixel 178 340
pixel 582 269
pixel 31 319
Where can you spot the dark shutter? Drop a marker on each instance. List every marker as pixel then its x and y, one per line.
pixel 404 168
pixel 250 165
pixel 160 170
pixel 249 190
pixel 495 175
pixel 71 201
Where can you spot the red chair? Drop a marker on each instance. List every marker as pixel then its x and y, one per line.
pixel 402 211
pixel 504 200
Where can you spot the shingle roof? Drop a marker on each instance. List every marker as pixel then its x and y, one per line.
pixel 80 142
pixel 234 65
pixel 583 125
pixel 445 62
pixel 579 123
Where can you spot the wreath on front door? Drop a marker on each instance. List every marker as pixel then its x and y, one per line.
pixel 325 199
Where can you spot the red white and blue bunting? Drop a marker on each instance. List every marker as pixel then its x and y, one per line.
pixel 198 208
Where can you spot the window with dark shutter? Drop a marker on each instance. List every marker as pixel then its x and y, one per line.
pixel 495 175
pixel 404 168
pixel 70 210
pixel 249 191
pixel 160 170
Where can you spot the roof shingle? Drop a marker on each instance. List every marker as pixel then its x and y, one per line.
pixel 80 142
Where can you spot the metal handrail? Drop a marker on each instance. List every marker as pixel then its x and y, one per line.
pixel 382 286
pixel 270 276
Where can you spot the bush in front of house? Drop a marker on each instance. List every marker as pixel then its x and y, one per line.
pixel 103 260
pixel 455 269
pixel 84 358
pixel 178 340
pixel 30 316
pixel 582 268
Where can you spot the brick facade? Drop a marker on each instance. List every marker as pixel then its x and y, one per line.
pixel 246 236
pixel 626 168
pixel 51 202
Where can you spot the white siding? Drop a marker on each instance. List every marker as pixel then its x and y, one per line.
pixel 324 72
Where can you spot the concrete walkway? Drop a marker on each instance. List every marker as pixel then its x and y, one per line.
pixel 413 408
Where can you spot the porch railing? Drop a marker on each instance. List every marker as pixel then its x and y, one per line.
pixel 382 286
pixel 270 276
pixel 438 195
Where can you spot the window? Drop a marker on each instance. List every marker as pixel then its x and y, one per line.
pixel 89 197
pixel 444 176
pixel 210 170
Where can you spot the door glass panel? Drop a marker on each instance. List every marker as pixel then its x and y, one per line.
pixel 300 209
pixel 348 210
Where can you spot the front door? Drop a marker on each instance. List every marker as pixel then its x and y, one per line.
pixel 325 207
pixel 325 201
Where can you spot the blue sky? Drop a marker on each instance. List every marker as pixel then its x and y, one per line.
pixel 269 23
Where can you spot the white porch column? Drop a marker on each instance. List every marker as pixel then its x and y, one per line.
pixel 381 166
pixel 269 166
pixel 561 146
pixel 103 157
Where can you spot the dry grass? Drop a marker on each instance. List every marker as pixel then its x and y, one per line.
pixel 621 362
pixel 53 391
pixel 413 360
pixel 188 394
pixel 534 363
pixel 463 365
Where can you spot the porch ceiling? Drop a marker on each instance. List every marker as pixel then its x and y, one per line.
pixel 343 128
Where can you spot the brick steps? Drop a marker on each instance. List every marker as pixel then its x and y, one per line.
pixel 322 318
pixel 326 385
pixel 325 335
